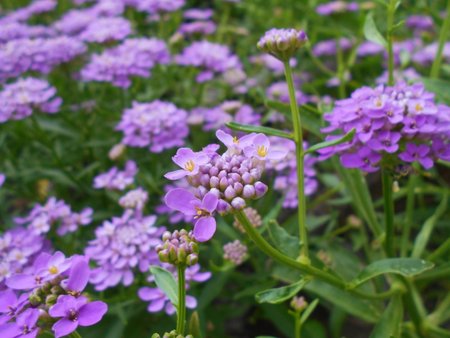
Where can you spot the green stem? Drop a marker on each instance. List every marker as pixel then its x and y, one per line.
pixel 298 137
pixel 388 213
pixel 298 326
pixel 390 25
pixel 443 35
pixel 440 251
pixel 416 309
pixel 181 313
pixel 412 183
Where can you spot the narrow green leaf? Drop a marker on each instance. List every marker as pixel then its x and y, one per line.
pixel 258 129
pixel 194 325
pixel 279 295
pixel 425 233
pixel 165 281
pixel 346 138
pixel 391 320
pixel 407 267
pixel 371 31
pixel 308 311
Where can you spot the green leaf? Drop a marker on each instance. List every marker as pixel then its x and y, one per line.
pixel 259 129
pixel 391 320
pixel 165 281
pixel 407 267
pixel 439 87
pixel 285 242
pixel 371 31
pixel 425 233
pixel 281 107
pixel 279 295
pixel 346 138
pixel 308 311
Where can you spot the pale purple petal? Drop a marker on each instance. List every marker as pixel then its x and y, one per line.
pixel 63 327
pixel 91 313
pixel 210 202
pixel 181 200
pixel 204 229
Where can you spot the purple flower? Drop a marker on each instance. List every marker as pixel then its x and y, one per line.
pixel 25 13
pixel 106 29
pixel 2 179
pixel 198 13
pixel 235 252
pixel 202 211
pixel 134 57
pixel 159 301
pixel 417 153
pixel 282 43
pixel 74 312
pixel 156 6
pixel 114 179
pixel 158 125
pixel 21 98
pixel 78 276
pixel 25 325
pixel 330 47
pixel 420 23
pixel 365 158
pixel 233 143
pixel 10 305
pixel 134 199
pixel 197 27
pixel 336 7
pixel 260 148
pixel 212 58
pixel 189 161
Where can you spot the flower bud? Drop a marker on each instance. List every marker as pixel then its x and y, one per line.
pixel 229 193
pixel 238 203
pixel 214 182
pixel 298 304
pixel 282 43
pixel 260 189
pixel 249 191
pixel 116 152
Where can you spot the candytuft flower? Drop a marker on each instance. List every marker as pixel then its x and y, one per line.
pixel 282 43
pixel 260 148
pixel 189 161
pixel 202 211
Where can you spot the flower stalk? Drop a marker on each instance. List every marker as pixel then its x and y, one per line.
pixel 390 27
pixel 388 212
pixel 443 36
pixel 299 152
pixel 181 313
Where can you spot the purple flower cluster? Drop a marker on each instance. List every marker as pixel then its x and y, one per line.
pixel 282 43
pixel 199 22
pixel 157 299
pixel 286 173
pixel 393 125
pixel 157 125
pixel 51 289
pixel 114 179
pixel 279 91
pixel 337 7
pixel 19 99
pixel 216 117
pixel 178 248
pixel 212 58
pixel 420 23
pixel 122 245
pixel 42 218
pixel 134 57
pixel 39 55
pixel 235 252
pixel 106 29
pixel 155 6
pixel 16 30
pixel 223 182
pixel 330 47
pixel 18 249
pixel 134 199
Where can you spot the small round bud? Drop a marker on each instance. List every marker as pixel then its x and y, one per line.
pixel 260 189
pixel 298 304
pixel 116 152
pixel 238 203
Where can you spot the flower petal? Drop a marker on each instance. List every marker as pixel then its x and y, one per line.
pixel 181 200
pixel 204 229
pixel 63 327
pixel 210 202
pixel 91 313
pixel 79 276
pixel 175 175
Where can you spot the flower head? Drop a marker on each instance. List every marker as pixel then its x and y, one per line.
pixel 189 161
pixel 282 43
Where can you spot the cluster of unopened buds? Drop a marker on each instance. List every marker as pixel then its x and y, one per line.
pixel 282 43
pixel 178 248
pixel 222 182
pixel 171 334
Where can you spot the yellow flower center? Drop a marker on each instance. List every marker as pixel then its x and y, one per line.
pixel 189 166
pixel 53 270
pixel 419 107
pixel 262 151
pixel 200 212
pixel 235 140
pixel 378 103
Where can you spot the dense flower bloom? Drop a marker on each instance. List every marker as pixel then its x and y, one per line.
pixel 178 248
pixel 337 7
pixel 202 211
pixel 212 58
pixel 106 29
pixel 43 217
pixel 233 178
pixel 158 301
pixel 134 57
pixel 74 21
pixel 16 30
pixel 216 117
pixel 235 252
pixel 18 249
pixel 157 125
pixel 39 55
pixel 75 311
pixel 400 123
pixel 197 27
pixel 25 13
pixel 282 43
pixel 114 179
pixel 134 199
pixel 156 6
pixel 286 173
pixel 198 14
pixel 21 98
pixel 122 245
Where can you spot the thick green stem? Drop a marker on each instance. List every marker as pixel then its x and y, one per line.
pixel 298 137
pixel 412 182
pixel 388 213
pixel 390 26
pixel 443 35
pixel 298 326
pixel 181 313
